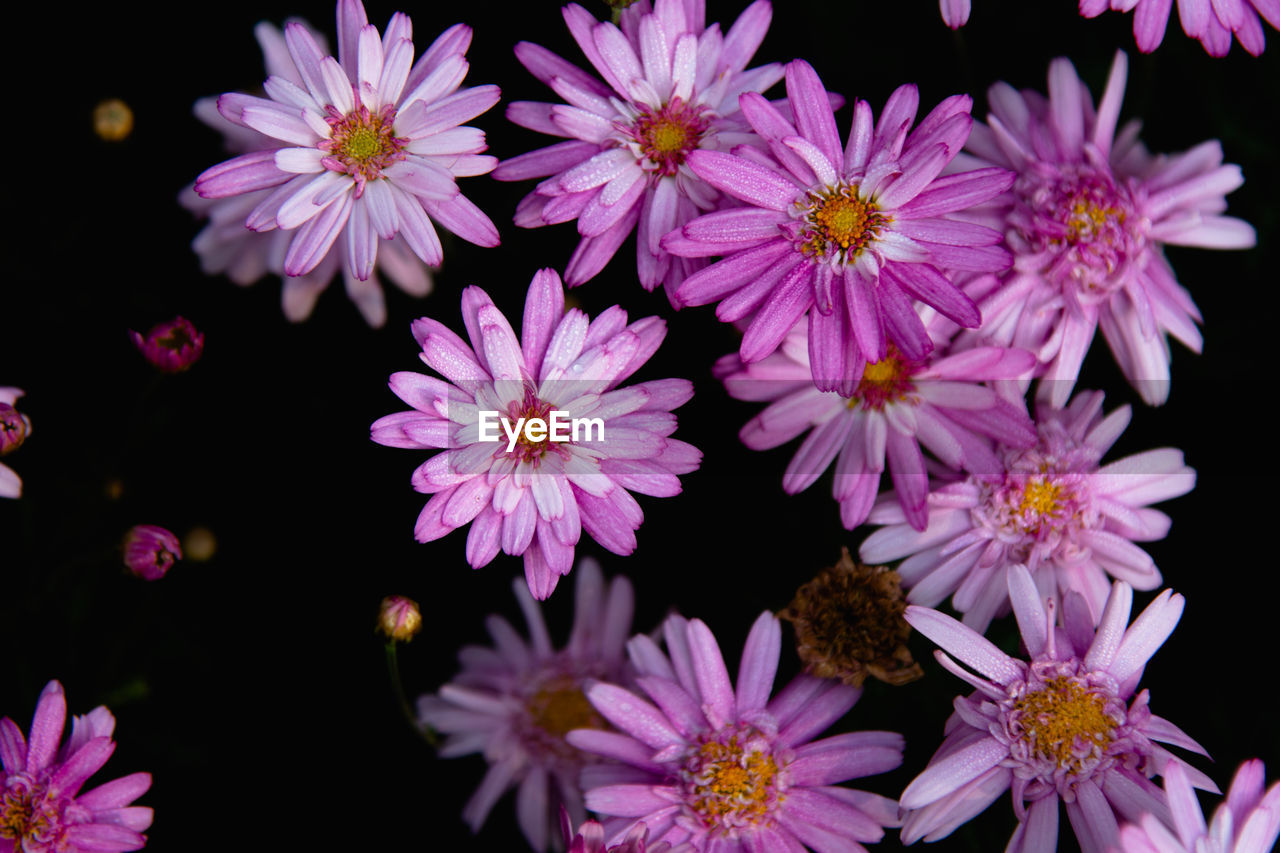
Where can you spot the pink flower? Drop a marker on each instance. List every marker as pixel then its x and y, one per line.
pixel 41 807
pixel 150 551
pixel 227 246
pixel 516 701
pixel 14 429
pixel 1087 220
pixel 534 494
pixel 856 234
pixel 172 346
pixel 1247 821
pixel 1065 725
pixel 1212 22
pixel 671 87
pixel 898 405
pixel 365 148
pixel 955 12
pixel 399 618
pixel 1053 507
pixel 719 768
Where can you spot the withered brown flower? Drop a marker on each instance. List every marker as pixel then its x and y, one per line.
pixel 848 623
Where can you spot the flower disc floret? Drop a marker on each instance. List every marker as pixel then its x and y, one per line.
pixel 668 133
pixel 363 143
pixel 840 223
pixel 730 778
pixel 884 382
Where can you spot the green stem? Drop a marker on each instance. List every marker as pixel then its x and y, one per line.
pixel 397 686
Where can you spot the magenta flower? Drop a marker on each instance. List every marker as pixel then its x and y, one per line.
pixel 150 551
pixel 1087 220
pixel 1052 507
pixel 671 87
pixel 227 246
pixel 172 346
pixel 898 405
pixel 533 494
pixel 856 234
pixel 1064 725
pixel 719 768
pixel 14 429
pixel 590 839
pixel 515 701
pixel 366 148
pixel 1247 821
pixel 1210 21
pixel 41 807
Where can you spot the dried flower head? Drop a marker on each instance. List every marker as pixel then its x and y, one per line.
pixel 848 623
pixel 399 618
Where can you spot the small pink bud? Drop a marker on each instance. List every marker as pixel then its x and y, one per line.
pixel 150 551
pixel 171 347
pixel 14 428
pixel 399 618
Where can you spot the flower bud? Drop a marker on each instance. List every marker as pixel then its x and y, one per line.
pixel 150 551
pixel 14 428
pixel 172 346
pixel 399 618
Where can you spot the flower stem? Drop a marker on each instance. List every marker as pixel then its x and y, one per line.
pixel 397 686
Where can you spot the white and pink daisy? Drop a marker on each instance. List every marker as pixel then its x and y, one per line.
pixel 1247 821
pixel 41 807
pixel 367 146
pixel 1066 725
pixel 14 429
pixel 533 496
pixel 515 701
pixel 1213 22
pixel 1087 220
pixel 670 87
pixel 229 245
pixel 856 233
pixel 898 406
pixel 1053 508
pixel 724 768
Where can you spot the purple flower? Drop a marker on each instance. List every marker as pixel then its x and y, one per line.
pixel 1087 219
pixel 1212 22
pixel 719 768
pixel 1052 507
pixel 1064 725
pixel 1247 821
pixel 515 701
pixel 227 246
pixel 590 839
pixel 671 87
pixel 955 12
pixel 365 146
pixel 172 346
pixel 14 429
pixel 41 807
pixel 857 234
pixel 898 405
pixel 150 551
pixel 533 493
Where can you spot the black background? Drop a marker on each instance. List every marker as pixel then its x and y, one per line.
pixel 253 686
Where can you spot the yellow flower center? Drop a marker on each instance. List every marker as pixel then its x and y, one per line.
pixel 362 143
pixel 560 706
pixel 728 781
pixel 27 814
pixel 1040 496
pixel 1087 219
pixel 667 136
pixel 884 381
pixel 841 221
pixel 1061 715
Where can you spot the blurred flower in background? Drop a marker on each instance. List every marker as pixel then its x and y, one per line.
pixel 150 551
pixel 14 429
pixel 172 346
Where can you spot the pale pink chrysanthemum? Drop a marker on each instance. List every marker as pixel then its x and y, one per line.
pixel 855 234
pixel 373 145
pixel 515 701
pixel 955 12
pixel 1087 220
pixel 1247 821
pixel 536 498
pixel 1053 507
pixel 227 245
pixel 897 406
pixel 719 767
pixel 1213 22
pixel 670 87
pixel 41 807
pixel 590 839
pixel 1066 725
pixel 14 429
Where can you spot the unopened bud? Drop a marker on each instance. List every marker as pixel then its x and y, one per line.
pixel 150 551
pixel 172 346
pixel 399 618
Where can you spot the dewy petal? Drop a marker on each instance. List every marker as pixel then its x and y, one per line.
pixel 943 776
pixel 743 179
pixel 1147 633
pixel 759 664
pixel 711 674
pixel 964 643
